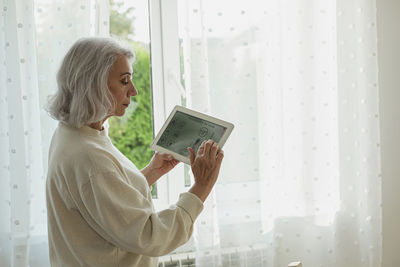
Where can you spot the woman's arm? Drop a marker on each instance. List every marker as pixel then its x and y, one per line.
pixel 124 216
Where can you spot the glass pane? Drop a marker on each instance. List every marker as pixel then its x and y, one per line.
pixel 218 72
pixel 132 134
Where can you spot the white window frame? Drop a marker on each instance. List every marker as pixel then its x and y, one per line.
pixel 166 93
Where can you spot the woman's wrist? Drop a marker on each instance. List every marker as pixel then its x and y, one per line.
pixel 201 191
pixel 149 174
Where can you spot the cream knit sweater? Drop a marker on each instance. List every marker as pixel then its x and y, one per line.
pixel 100 211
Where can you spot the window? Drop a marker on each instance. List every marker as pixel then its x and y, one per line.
pixel 133 133
pixel 160 89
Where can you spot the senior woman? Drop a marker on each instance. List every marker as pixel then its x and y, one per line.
pixel 100 210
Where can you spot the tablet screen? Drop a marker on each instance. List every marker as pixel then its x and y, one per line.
pixel 185 131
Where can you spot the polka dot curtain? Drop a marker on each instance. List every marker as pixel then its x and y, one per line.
pixel 34 35
pixel 301 174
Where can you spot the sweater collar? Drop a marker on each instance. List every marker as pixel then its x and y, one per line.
pixel 87 130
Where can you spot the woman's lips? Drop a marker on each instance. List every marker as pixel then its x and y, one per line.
pixel 126 105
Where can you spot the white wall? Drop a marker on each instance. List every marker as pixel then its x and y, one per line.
pixel 388 23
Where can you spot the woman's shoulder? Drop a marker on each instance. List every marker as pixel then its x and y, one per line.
pixel 78 149
pixel 79 159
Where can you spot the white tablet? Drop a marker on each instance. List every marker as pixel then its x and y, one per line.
pixel 188 128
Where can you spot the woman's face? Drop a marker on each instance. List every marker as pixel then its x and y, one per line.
pixel 121 85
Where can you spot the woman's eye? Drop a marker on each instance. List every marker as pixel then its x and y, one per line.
pixel 125 82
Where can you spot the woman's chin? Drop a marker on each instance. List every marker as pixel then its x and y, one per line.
pixel 119 113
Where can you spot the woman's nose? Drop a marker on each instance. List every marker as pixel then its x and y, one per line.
pixel 133 91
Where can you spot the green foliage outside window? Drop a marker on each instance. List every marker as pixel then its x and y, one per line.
pixel 132 134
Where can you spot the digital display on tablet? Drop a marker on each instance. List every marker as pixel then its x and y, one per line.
pixel 185 131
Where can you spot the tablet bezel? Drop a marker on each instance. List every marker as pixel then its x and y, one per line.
pixel 229 127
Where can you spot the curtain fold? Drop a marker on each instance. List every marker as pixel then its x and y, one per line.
pixel 34 36
pixel 301 174
pixel 20 134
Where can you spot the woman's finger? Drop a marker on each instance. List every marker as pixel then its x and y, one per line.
pixel 173 162
pixel 201 148
pixel 220 155
pixel 191 155
pixel 207 146
pixel 164 156
pixel 213 151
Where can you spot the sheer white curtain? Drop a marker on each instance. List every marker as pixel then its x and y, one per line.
pixel 301 174
pixel 34 36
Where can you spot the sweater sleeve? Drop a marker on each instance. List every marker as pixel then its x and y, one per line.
pixel 125 217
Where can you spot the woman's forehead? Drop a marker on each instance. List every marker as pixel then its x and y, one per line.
pixel 121 66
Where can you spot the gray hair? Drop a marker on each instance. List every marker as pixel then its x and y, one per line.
pixel 83 96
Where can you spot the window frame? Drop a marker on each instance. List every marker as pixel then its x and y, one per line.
pixel 165 71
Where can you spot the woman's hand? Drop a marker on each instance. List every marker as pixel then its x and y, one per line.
pixel 160 164
pixel 205 167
